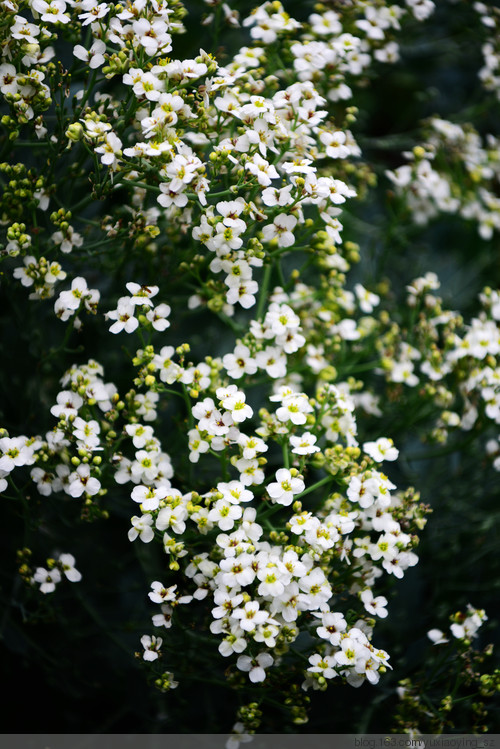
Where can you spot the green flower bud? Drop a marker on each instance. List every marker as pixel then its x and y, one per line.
pixel 74 132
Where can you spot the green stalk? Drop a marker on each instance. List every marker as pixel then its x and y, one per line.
pixel 263 294
pixel 312 488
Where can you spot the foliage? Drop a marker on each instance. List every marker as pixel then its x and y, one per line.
pixel 237 410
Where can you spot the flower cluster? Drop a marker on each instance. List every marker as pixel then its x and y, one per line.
pixel 488 74
pixel 444 710
pixel 235 438
pixel 261 574
pixel 452 362
pixel 48 578
pixel 454 171
pixel 124 314
pixel 464 626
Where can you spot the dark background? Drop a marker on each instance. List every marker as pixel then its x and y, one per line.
pixel 67 662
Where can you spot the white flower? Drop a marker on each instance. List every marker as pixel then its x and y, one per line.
pixel 250 615
pixel 170 372
pixel 67 240
pixel 226 601
pixel 273 196
pixel 110 150
pixel 160 594
pixel 335 144
pixel 367 300
pixel 240 362
pixel 304 445
pixel 8 79
pixel 147 405
pixel 436 636
pixel 165 618
pixel 67 561
pixel 46 483
pixel 86 432
pixel 143 84
pixel 262 169
pixel 23 30
pixel 286 604
pixel 281 319
pixel 350 651
pixel 171 196
pixel 281 229
pixel 273 361
pixel 197 445
pixel 149 496
pixel 140 434
pixel 124 316
pixel 172 517
pixel 323 665
pixel 250 471
pixel 47 579
pixel 16 452
pixel 68 404
pixel 183 70
pixel 469 624
pixel 374 605
pixel 93 56
pixel 81 482
pixel 237 571
pixel 73 298
pixel 224 514
pixel 367 489
pixel 234 492
pixel 158 317
pixel 255 666
pixel 402 371
pixel 235 403
pixel 266 633
pixel 301 523
pixel 251 446
pixel 151 647
pixel 294 408
pixel 231 210
pixel 52 11
pixel 243 293
pixel 382 449
pixel 271 575
pixel 141 295
pixel 315 588
pixel 141 528
pixel 233 643
pixel 283 490
pixel 92 11
pixel 333 625
pixel 298 166
pixel 153 36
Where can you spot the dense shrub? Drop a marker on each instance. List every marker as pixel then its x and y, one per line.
pixel 250 365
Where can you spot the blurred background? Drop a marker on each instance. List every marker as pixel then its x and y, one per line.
pixel 67 661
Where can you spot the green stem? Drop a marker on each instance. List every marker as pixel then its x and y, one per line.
pixel 269 511
pixel 187 401
pixel 88 91
pixel 315 486
pixel 263 294
pixel 286 455
pixel 235 327
pixel 361 368
pixel 134 183
pixel 293 248
pixel 32 144
pixel 83 203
